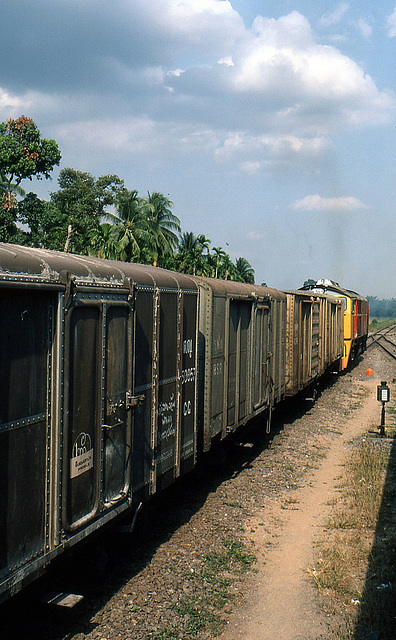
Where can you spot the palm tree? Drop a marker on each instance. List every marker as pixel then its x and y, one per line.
pixel 244 271
pixel 163 225
pixel 227 268
pixel 104 241
pixel 216 260
pixel 190 258
pixel 131 227
pixel 203 243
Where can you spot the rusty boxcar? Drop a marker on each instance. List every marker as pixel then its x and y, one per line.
pixel 314 340
pixel 242 331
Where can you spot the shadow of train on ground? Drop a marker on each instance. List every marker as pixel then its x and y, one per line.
pixel 377 613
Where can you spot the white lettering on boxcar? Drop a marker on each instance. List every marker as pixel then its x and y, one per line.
pixel 187 408
pixel 188 375
pixel 166 412
pixel 165 455
pixel 188 347
pixel 217 368
pixel 166 407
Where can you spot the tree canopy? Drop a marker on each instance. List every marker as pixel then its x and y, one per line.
pixel 97 216
pixel 23 154
pixel 81 202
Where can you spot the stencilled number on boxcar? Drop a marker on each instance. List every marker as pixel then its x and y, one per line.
pixel 188 347
pixel 188 374
pixel 188 383
pixel 217 368
pixel 187 408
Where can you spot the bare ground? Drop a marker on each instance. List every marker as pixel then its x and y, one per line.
pixel 285 603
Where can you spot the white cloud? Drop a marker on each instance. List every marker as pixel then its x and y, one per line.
pixel 227 60
pixel 318 203
pixel 364 27
pixel 391 22
pixel 279 79
pixel 136 137
pixel 290 30
pixel 9 101
pixel 203 23
pixel 334 17
pixel 284 63
pixel 255 153
pixel 29 103
pixel 192 76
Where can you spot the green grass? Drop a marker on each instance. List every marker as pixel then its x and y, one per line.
pixel 376 325
pixel 200 609
pixel 355 567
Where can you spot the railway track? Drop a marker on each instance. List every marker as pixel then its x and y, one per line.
pixel 381 339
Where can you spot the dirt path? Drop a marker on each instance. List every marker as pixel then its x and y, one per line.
pixel 283 602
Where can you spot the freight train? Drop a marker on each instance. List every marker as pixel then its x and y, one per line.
pixel 116 377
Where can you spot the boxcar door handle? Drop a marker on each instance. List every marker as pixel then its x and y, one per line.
pixel 133 401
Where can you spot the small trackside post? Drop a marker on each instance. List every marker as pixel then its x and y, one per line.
pixel 383 396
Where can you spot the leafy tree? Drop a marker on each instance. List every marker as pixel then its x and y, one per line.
pixel 382 308
pixel 46 224
pixel 8 193
pixel 81 202
pixel 227 268
pixel 23 154
pixel 9 231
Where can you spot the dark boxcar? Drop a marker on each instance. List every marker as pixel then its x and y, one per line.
pixel 241 354
pixel 166 378
pixel 277 346
pixel 97 397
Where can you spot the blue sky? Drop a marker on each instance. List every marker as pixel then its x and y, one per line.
pixel 271 125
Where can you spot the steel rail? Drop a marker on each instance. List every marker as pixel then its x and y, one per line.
pixel 380 333
pixel 376 341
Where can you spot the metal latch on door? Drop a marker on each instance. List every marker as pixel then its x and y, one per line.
pixel 133 401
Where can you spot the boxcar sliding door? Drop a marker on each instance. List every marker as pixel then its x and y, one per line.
pixel 238 361
pixel 261 357
pixel 25 348
pixel 97 433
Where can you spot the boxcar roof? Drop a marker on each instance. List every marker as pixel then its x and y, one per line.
pixel 42 265
pixel 229 287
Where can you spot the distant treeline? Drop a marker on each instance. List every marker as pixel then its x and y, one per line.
pixel 382 308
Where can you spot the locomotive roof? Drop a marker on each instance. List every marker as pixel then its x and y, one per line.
pixel 47 267
pixel 329 286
